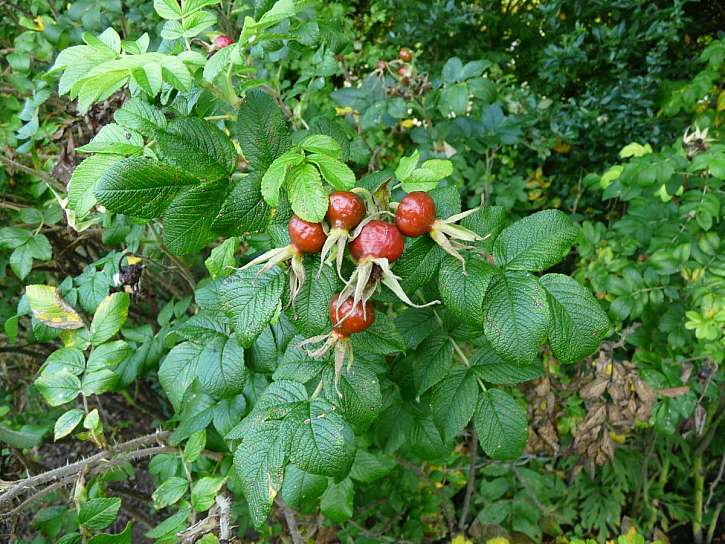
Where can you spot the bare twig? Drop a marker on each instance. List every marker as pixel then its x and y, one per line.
pixel 289 517
pixel 50 180
pixel 715 482
pixel 131 450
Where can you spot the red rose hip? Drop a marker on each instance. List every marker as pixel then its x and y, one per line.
pixel 347 320
pixel 345 210
pixel 220 42
pixel 416 214
pixel 378 240
pixel 306 237
pixel 405 55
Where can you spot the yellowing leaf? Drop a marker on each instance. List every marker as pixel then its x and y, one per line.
pixel 561 147
pixel 460 539
pixel 408 123
pixel 343 111
pixel 50 309
pixel 498 540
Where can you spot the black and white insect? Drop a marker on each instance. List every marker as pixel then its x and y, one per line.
pixel 129 275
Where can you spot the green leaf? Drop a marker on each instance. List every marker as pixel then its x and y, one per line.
pixel 381 338
pixel 118 538
pixel 425 440
pixel 453 401
pixel 70 359
pixel 50 309
pixel 244 210
pixel 169 492
pixel 406 165
pixel 198 147
pixel 415 324
pixel 419 263
pixel 141 187
pixel 222 258
pixel 194 446
pixel 488 366
pixel 516 317
pixel 536 242
pixel 322 144
pixel 149 77
pixel 307 195
pixel 140 116
pixel 310 311
pixel 21 262
pixel 189 217
pixel 578 324
pixel 168 9
pixel 218 365
pixel 464 294
pixel 300 489
pixel 296 365
pixel 115 139
pixel 96 514
pixel 360 399
pixel 336 502
pixel 426 177
pixel 488 222
pixel 280 10
pixel 335 172
pixel 452 70
pixel 192 6
pixel 205 491
pixel 13 237
pixel 251 300
pixel 262 130
pixel 259 462
pixel 203 328
pixel 320 440
pixel 276 175
pixel 67 422
pixel 431 362
pixel 454 99
pixel 369 467
pixel 82 183
pixel 197 22
pixel 171 525
pixel 501 425
pixel 110 316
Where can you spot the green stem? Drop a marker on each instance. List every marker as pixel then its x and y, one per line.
pixel 699 482
pixel 713 523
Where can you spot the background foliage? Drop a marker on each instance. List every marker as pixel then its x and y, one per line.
pixel 596 109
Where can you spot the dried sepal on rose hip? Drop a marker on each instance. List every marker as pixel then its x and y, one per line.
pixel 305 238
pixel 345 211
pixel 347 318
pixel 377 245
pixel 416 216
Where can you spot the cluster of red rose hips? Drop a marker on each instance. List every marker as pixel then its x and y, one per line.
pixel 409 82
pixel 374 244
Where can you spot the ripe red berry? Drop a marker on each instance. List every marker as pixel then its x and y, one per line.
pixel 345 210
pixel 306 237
pixel 416 214
pixel 346 320
pixel 403 71
pixel 220 42
pixel 378 239
pixel 382 65
pixel 405 55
